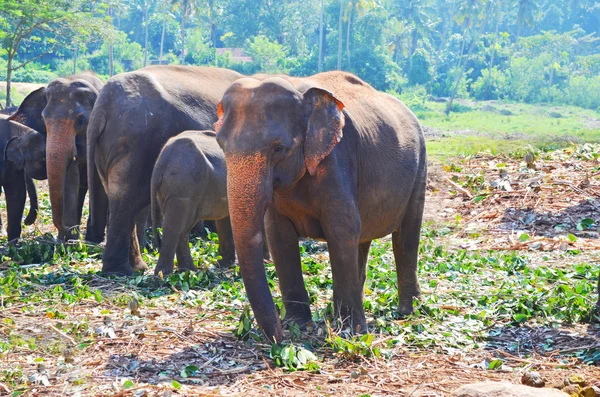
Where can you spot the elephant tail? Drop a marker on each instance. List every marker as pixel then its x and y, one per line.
pixel 33 200
pixel 155 207
pixel 95 129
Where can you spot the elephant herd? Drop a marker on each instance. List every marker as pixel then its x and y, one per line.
pixel 269 158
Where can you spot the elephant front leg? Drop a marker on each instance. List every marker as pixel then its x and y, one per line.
pixel 226 244
pixel 342 232
pixel 16 195
pixel 283 243
pixel 73 197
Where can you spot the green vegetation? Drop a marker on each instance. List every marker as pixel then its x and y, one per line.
pixel 517 50
pixel 469 298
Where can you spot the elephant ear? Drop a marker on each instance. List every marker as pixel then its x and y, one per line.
pixel 13 153
pixel 220 114
pixel 30 111
pixel 325 125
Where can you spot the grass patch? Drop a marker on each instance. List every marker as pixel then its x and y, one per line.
pixel 500 127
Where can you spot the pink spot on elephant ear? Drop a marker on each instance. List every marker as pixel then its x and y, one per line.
pixel 218 125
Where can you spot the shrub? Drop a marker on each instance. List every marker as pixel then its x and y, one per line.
pixel 33 73
pixel 491 86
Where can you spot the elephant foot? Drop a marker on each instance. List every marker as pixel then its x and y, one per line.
pixel 71 234
pixel 139 266
pixel 405 309
pixel 92 237
pixel 162 270
pixel 122 270
pixel 301 321
pixel 182 267
pixel 405 299
pixel 226 262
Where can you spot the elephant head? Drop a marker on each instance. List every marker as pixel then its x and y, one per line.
pixel 24 148
pixel 69 104
pixel 29 112
pixel 272 134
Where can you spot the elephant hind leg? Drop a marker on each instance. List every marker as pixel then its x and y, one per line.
pixel 15 195
pixel 141 224
pixel 135 254
pixel 184 256
pixel 226 244
pixel 405 243
pixel 363 255
pixel 178 221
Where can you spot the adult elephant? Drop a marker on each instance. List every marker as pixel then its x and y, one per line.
pixel 69 103
pixel 326 157
pixel 135 114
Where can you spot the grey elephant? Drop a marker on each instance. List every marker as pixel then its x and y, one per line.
pixel 326 157
pixel 189 184
pixel 23 152
pixel 134 116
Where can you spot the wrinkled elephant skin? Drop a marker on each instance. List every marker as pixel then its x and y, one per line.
pixel 325 157
pixel 23 156
pixel 135 114
pixel 69 104
pixel 189 184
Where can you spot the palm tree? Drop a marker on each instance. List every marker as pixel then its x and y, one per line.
pixel 526 10
pixel 164 26
pixel 188 8
pixel 339 55
pixel 320 65
pixel 473 15
pixel 417 14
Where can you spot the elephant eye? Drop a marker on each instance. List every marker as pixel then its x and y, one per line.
pixel 278 149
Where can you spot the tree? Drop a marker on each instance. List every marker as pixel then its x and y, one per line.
pixel 340 34
pixel 320 65
pixel 187 8
pixel 49 23
pixel 417 14
pixel 473 16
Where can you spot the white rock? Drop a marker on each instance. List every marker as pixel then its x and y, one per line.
pixel 504 389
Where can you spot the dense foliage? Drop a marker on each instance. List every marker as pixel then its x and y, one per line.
pixel 521 50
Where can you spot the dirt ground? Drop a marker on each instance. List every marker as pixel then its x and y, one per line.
pixel 486 202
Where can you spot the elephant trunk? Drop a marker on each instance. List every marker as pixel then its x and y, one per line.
pixel 60 150
pixel 249 191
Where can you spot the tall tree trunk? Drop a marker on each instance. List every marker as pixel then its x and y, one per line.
pixel 183 37
pixel 9 76
pixel 413 47
pixel 348 35
pixel 111 63
pixel 550 82
pixel 75 58
pixel 462 70
pixel 320 65
pixel 339 55
pixel 491 65
pixel 146 23
pixel 162 35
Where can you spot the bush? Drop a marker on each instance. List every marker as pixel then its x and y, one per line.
pixel 268 56
pixel 583 91
pixel 494 86
pixel 33 73
pixel 421 68
pixel 65 67
pixel 527 79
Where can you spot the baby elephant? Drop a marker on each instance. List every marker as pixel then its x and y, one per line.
pixel 189 184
